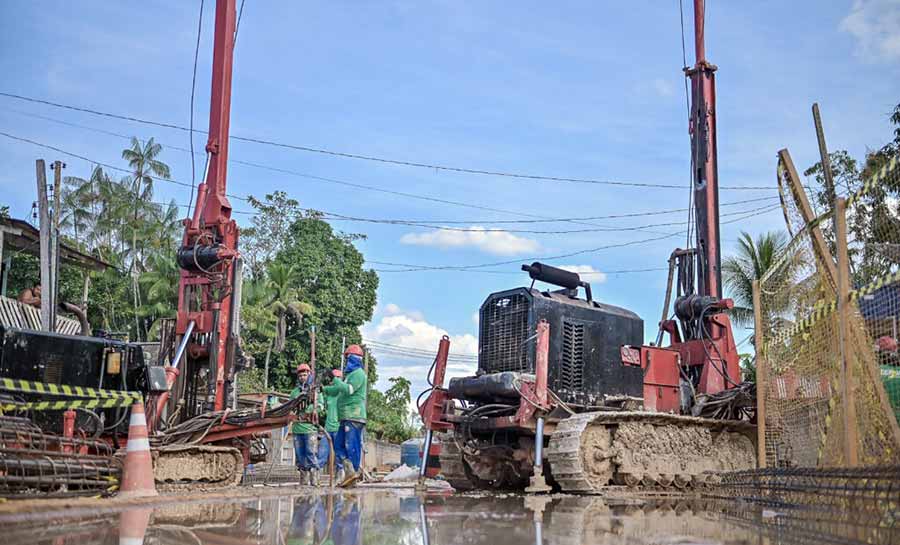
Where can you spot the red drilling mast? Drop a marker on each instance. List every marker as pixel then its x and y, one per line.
pixel 209 287
pixel 704 162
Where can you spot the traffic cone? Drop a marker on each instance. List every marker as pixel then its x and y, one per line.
pixel 133 526
pixel 137 473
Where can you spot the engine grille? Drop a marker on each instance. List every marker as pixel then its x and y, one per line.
pixel 504 329
pixel 571 372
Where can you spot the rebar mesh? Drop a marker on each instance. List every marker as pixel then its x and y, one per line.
pixel 34 462
pixel 805 348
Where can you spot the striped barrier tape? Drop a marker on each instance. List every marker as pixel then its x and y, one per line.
pixel 109 403
pixel 28 387
pixel 822 308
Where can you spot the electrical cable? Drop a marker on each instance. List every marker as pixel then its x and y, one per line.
pixel 416 267
pixel 335 216
pixel 346 155
pixel 193 88
pixel 237 25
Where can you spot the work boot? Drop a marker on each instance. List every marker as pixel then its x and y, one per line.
pixel 313 477
pixel 304 477
pixel 338 476
pixel 350 475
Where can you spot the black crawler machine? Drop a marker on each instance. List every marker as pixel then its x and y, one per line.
pixel 567 392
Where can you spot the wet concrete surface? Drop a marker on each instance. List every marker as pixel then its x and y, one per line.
pixel 384 517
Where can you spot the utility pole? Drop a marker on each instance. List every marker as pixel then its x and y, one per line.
pixel 57 167
pixel 46 258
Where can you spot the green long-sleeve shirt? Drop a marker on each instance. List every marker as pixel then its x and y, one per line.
pixel 351 402
pixel 304 427
pixel 332 422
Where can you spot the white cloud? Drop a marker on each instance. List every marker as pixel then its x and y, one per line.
pixel 492 241
pixel 476 318
pixel 408 328
pixel 876 26
pixel 662 87
pixel 588 273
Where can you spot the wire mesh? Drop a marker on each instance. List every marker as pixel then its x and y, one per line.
pixel 808 403
pixel 34 462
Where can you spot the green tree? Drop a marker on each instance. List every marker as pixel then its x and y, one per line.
pixel 752 261
pixel 872 223
pixel 389 414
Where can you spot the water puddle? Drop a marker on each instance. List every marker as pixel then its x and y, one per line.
pixel 397 517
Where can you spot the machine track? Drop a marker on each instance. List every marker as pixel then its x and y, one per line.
pixel 196 467
pixel 453 467
pixel 590 451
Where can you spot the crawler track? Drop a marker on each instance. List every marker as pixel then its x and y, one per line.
pixel 194 468
pixel 590 451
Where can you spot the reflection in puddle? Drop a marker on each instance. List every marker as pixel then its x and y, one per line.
pixel 387 518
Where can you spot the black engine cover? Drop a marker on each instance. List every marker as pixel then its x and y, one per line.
pixel 585 364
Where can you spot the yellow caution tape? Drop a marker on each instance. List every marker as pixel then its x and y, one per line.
pixel 823 308
pixel 28 387
pixel 72 404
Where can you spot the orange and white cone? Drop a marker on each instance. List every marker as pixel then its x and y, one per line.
pixel 133 526
pixel 137 473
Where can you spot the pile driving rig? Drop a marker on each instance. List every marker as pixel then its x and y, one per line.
pixel 567 391
pixel 196 439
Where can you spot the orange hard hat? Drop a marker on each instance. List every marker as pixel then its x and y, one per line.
pixel 354 349
pixel 304 367
pixel 337 373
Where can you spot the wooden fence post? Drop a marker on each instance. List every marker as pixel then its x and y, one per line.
pixel 761 377
pixel 848 394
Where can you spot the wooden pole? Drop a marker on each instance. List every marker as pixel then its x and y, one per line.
pixel 761 377
pixel 848 394
pixel 44 215
pixel 818 240
pixel 54 237
pixel 312 348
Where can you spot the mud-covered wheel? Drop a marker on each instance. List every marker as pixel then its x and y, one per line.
pixel 454 468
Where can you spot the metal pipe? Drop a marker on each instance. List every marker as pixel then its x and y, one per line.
pixel 542 354
pixel 181 347
pixel 539 446
pixel 424 521
pixel 426 448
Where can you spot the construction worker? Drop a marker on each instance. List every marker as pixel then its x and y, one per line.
pixel 31 296
pixel 351 403
pixel 332 425
pixel 304 431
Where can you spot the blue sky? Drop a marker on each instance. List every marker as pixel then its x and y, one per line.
pixel 577 89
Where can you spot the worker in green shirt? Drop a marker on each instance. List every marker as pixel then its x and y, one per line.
pixel 304 431
pixel 332 425
pixel 351 405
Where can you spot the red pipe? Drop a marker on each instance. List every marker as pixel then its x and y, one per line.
pixel 542 354
pixel 440 367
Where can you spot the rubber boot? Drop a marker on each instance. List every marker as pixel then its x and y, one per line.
pixel 350 474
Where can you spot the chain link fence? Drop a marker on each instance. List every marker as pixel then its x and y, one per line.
pixel 820 330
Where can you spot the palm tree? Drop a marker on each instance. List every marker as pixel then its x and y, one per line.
pixel 266 305
pixel 751 262
pixel 144 164
pixel 143 161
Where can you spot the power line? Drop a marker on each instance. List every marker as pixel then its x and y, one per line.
pixel 335 216
pixel 416 164
pixel 408 267
pixel 332 216
pixel 420 223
